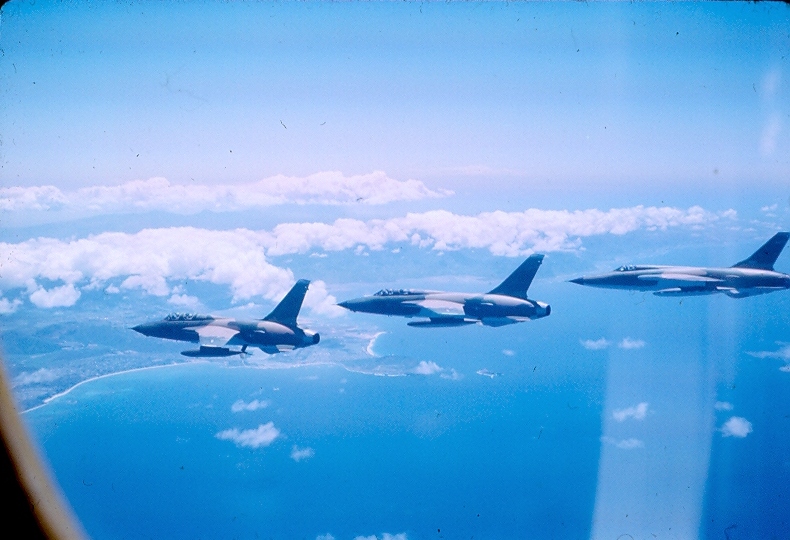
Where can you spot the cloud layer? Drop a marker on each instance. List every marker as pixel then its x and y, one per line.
pixel 53 272
pixel 329 187
pixel 502 233
pixel 262 436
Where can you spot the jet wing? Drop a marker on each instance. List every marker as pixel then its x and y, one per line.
pixel 436 309
pixel 213 335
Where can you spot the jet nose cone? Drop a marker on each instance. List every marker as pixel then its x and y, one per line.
pixel 348 304
pixel 578 280
pixel 143 329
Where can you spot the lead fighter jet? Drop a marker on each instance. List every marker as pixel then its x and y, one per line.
pixel 749 277
pixel 277 332
pixel 506 304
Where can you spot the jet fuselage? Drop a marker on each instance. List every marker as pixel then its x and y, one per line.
pixel 690 280
pixel 749 277
pixel 262 334
pixel 432 303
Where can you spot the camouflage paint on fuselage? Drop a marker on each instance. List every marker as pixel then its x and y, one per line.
pixel 276 333
pixel 749 277
pixel 506 304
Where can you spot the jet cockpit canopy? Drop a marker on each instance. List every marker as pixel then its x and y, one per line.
pixel 398 292
pixel 187 317
pixel 626 268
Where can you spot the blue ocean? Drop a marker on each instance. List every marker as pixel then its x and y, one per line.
pixel 514 432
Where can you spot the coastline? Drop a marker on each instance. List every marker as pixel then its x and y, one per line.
pixel 106 375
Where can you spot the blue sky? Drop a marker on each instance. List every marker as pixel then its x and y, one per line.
pixel 165 157
pixel 590 97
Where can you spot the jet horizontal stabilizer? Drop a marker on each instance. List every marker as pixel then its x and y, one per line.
pixel 211 352
pixel 439 323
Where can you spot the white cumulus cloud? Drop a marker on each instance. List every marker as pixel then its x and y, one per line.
pixel 624 444
pixel 384 536
pixel 31 198
pixel 263 435
pixel 9 306
pixel 63 296
pixel 329 188
pixel 722 406
pixel 453 375
pixel 184 300
pixel 427 368
pixel 637 412
pixel 319 301
pixel 326 536
pixel 595 345
pixel 254 405
pixel 736 427
pixel 39 376
pixel 299 454
pixel 783 353
pixel 628 343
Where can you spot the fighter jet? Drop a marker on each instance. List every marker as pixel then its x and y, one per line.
pixel 506 304
pixel 749 277
pixel 277 332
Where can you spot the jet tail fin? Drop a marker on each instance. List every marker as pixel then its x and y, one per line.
pixel 519 281
pixel 288 309
pixel 765 257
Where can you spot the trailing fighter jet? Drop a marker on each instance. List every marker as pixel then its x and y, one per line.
pixel 506 304
pixel 277 332
pixel 749 277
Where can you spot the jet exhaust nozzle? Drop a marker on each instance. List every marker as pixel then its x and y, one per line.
pixel 542 309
